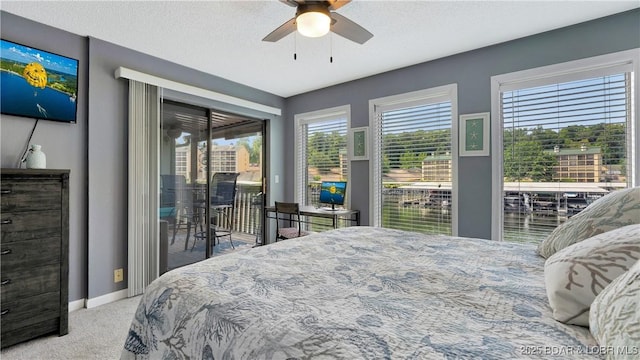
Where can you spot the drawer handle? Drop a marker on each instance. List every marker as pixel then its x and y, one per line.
pixel 5 252
pixel 4 312
pixel 5 191
pixel 6 222
pixel 5 282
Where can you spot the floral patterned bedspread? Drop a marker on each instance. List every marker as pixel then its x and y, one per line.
pixel 357 293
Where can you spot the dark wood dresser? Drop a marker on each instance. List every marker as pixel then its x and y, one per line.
pixel 35 253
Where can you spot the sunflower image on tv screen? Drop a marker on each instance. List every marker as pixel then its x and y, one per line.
pixel 333 192
pixel 35 74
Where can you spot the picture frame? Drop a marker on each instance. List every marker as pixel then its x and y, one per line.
pixel 474 134
pixel 359 143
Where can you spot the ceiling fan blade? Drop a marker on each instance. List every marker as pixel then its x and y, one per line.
pixel 331 4
pixel 292 3
pixel 282 31
pixel 337 4
pixel 349 30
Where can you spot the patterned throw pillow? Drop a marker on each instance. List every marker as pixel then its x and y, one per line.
pixel 615 316
pixel 575 275
pixel 616 209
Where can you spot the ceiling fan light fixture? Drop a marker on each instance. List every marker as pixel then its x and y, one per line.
pixel 313 20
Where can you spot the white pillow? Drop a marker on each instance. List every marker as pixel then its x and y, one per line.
pixel 615 316
pixel 575 275
pixel 616 209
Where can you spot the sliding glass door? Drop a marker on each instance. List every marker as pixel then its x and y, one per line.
pixel 235 153
pixel 196 145
pixel 182 183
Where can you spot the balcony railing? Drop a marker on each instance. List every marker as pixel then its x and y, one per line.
pixel 248 209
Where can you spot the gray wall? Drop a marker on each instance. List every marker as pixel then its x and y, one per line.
pixel 95 149
pixel 65 145
pixel 472 72
pixel 108 148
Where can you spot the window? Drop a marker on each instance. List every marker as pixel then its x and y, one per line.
pixel 182 159
pixel 321 152
pixel 414 160
pixel 566 132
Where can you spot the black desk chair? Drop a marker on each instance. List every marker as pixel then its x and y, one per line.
pixel 288 213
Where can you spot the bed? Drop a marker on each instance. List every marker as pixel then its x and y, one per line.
pixel 357 293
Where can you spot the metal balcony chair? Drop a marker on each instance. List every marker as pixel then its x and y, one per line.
pixel 176 196
pixel 257 211
pixel 222 207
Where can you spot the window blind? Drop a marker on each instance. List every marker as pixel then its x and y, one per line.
pixel 413 166
pixel 565 145
pixel 322 155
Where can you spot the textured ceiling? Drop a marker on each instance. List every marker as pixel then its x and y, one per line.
pixel 223 38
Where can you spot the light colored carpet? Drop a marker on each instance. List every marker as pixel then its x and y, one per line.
pixel 97 333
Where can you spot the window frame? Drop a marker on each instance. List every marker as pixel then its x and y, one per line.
pixel 609 64
pixel 447 92
pixel 311 117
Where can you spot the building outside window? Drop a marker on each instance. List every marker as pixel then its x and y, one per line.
pixel 566 136
pixel 413 172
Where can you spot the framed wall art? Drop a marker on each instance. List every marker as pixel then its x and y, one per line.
pixel 359 140
pixel 474 134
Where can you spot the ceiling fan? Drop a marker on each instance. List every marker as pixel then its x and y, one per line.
pixel 316 18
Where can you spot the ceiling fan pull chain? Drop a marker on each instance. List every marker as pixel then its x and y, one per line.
pixel 295 46
pixel 331 47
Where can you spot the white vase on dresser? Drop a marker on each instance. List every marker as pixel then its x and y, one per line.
pixel 36 159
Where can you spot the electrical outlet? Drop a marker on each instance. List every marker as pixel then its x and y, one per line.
pixel 118 275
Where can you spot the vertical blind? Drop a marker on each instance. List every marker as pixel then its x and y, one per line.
pixel 322 154
pixel 565 144
pixel 143 228
pixel 413 166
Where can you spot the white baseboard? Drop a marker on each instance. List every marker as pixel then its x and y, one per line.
pixel 76 305
pixel 105 299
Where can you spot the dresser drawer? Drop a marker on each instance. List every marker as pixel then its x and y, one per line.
pixel 21 226
pixel 25 333
pixel 30 195
pixel 29 254
pixel 17 285
pixel 29 311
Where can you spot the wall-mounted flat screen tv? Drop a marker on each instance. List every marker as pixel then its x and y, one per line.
pixel 37 84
